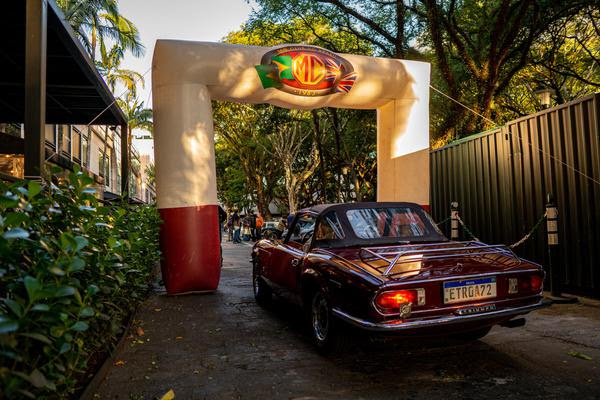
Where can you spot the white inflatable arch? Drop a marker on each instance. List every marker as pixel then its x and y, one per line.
pixel 186 76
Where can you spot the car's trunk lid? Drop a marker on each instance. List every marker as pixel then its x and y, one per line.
pixel 420 261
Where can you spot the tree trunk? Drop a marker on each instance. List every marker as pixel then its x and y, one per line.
pixel 291 189
pixel 356 184
pixel 317 133
pixel 93 44
pixel 336 131
pixel 400 13
pixel 263 208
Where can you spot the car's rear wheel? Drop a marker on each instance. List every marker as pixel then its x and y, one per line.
pixel 262 291
pixel 324 327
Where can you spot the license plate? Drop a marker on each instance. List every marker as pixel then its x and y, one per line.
pixel 471 289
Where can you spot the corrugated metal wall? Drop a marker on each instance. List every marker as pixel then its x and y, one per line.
pixel 501 178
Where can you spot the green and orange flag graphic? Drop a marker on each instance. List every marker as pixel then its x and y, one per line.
pixel 271 75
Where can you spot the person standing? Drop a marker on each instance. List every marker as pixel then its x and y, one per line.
pixel 229 227
pixel 259 224
pixel 236 227
pixel 222 218
pixel 252 222
pixel 290 219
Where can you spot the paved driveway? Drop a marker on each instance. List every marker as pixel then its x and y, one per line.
pixel 223 346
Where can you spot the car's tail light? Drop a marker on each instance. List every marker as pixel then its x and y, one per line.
pixel 536 283
pixel 531 284
pixel 392 301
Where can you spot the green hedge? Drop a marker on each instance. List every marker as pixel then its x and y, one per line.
pixel 71 272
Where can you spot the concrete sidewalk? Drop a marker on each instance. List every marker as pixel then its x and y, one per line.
pixel 223 346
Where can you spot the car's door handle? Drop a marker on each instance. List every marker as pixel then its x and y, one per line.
pixel 295 262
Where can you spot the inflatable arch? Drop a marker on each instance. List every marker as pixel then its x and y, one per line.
pixel 186 76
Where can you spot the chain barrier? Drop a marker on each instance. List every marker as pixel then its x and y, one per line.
pixel 467 229
pixel 525 238
pixel 530 233
pixel 444 221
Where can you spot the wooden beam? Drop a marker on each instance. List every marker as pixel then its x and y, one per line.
pixel 36 30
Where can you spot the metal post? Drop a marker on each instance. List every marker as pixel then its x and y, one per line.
pixel 35 87
pixel 125 161
pixel 454 220
pixel 553 260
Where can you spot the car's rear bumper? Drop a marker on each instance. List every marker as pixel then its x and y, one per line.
pixel 449 320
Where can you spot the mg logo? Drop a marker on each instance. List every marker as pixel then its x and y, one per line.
pixel 308 69
pixel 305 71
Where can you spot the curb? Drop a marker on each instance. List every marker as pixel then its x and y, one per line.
pixel 94 383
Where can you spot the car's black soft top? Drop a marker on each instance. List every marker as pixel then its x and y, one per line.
pixel 323 208
pixel 350 238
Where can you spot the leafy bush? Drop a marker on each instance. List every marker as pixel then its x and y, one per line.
pixel 71 271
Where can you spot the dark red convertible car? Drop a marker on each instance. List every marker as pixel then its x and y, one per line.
pixel 387 267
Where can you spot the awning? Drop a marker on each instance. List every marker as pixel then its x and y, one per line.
pixel 75 91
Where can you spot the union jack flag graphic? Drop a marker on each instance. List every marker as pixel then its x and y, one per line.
pixel 333 70
pixel 346 83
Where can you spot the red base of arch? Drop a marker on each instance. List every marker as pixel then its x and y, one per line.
pixel 191 249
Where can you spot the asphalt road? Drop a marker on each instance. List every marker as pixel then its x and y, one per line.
pixel 223 346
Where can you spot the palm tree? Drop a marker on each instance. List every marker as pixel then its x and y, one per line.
pixel 109 66
pixel 137 115
pixel 95 21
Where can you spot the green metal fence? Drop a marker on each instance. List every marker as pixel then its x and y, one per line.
pixel 501 178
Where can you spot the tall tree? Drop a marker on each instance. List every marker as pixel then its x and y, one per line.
pixel 565 59
pixel 138 116
pixel 241 130
pixel 109 66
pixel 476 47
pixel 287 141
pixel 96 21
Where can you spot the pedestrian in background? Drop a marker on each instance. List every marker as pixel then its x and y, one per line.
pixel 229 226
pixel 259 224
pixel 222 219
pixel 252 222
pixel 237 227
pixel 290 219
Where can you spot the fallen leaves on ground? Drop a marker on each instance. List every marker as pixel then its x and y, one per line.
pixel 170 395
pixel 140 331
pixel 178 337
pixel 579 355
pixel 157 309
pixel 118 363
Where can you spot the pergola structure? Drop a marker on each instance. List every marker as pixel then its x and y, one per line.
pixel 47 77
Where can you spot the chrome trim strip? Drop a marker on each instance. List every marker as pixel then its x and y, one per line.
pixel 400 325
pixel 487 303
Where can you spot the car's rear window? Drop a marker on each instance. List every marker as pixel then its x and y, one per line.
pixel 393 222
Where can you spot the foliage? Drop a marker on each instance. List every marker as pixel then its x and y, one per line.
pixel 96 21
pixel 138 116
pixel 334 161
pixel 109 66
pixel 287 141
pixel 565 59
pixel 71 271
pixel 486 54
pixel 241 130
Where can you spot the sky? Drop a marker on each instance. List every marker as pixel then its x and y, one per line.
pixel 200 20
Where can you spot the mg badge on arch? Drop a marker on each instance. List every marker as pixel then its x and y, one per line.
pixel 306 71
